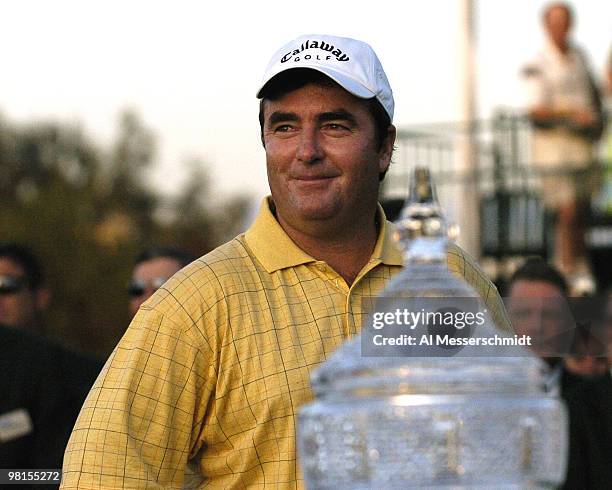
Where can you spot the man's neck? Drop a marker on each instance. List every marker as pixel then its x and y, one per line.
pixel 562 47
pixel 345 249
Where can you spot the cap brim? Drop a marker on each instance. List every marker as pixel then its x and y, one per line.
pixel 341 79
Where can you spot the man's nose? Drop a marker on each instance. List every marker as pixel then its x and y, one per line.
pixel 309 147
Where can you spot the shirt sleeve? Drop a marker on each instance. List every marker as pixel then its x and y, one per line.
pixel 141 421
pixel 462 264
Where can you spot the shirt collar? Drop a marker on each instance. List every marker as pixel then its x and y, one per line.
pixel 552 51
pixel 275 250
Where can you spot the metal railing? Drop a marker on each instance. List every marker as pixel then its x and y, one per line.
pixel 513 220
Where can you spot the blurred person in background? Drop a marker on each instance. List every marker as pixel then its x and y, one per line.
pixel 23 294
pixel 591 407
pixel 42 388
pixel 607 327
pixel 152 268
pixel 565 108
pixel 42 385
pixel 537 305
pixel 605 196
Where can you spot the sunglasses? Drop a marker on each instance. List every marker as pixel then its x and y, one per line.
pixel 138 287
pixel 11 285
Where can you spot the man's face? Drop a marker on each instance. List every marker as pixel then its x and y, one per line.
pixel 558 25
pixel 539 309
pixel 147 277
pixel 322 158
pixel 19 305
pixel 586 365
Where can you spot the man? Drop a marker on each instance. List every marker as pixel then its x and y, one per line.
pixel 538 306
pixel 538 303
pixel 23 296
pixel 564 106
pixel 43 387
pixel 211 373
pixel 152 268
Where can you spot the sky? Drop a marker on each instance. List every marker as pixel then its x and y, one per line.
pixel 191 68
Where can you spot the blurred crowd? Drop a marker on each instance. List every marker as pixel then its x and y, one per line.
pixel 44 383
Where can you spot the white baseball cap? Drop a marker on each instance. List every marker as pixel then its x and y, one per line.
pixel 351 63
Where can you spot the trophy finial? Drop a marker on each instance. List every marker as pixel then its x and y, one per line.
pixel 422 217
pixel 422 189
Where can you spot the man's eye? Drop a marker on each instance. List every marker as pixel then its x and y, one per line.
pixel 336 126
pixel 282 128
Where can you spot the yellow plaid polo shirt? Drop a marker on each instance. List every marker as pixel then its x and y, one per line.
pixel 210 374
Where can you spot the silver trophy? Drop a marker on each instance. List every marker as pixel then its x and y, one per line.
pixel 427 416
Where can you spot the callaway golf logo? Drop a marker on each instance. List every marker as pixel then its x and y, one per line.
pixel 335 52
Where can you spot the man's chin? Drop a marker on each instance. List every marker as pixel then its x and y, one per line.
pixel 317 213
pixel 315 208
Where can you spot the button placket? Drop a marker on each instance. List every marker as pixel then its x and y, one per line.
pixel 331 276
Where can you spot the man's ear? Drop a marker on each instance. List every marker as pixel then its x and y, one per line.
pixel 262 115
pixel 386 150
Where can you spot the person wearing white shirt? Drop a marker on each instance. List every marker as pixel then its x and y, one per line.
pixel 564 108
